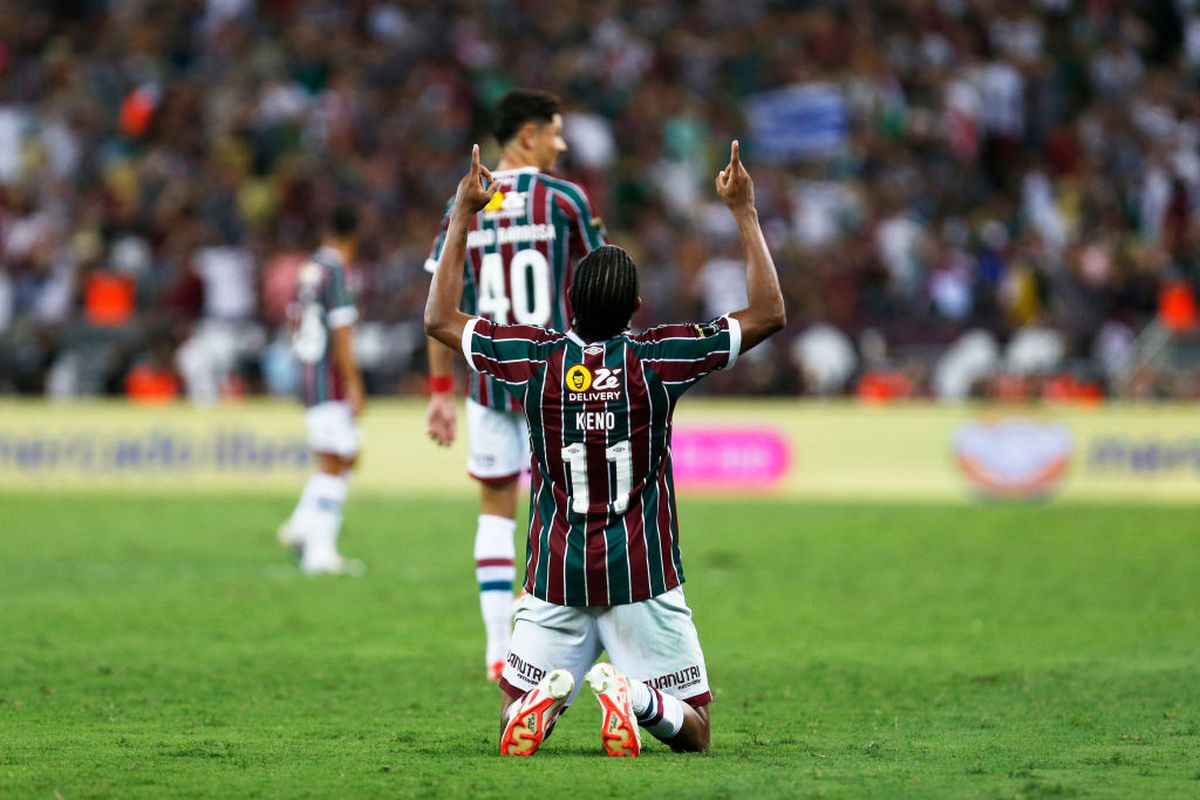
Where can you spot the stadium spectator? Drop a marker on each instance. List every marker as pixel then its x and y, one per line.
pixel 935 167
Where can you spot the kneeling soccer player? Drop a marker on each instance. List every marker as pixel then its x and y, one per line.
pixel 603 569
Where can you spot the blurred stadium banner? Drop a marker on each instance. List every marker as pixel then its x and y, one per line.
pixel 798 122
pixel 815 450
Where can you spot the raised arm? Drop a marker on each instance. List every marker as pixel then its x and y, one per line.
pixel 443 320
pixel 764 315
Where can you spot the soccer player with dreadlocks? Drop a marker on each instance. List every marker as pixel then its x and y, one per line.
pixel 521 250
pixel 603 568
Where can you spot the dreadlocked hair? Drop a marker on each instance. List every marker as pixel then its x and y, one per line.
pixel 604 293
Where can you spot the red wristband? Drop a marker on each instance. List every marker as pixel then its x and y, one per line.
pixel 441 384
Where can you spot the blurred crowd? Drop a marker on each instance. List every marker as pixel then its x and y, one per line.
pixel 965 197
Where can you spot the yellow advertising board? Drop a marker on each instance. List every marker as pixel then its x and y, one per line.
pixel 792 449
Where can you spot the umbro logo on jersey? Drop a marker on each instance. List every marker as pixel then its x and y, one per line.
pixel 594 350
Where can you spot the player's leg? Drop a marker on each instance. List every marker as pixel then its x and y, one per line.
pixel 317 521
pixel 552 647
pixel 654 645
pixel 494 459
pixel 495 567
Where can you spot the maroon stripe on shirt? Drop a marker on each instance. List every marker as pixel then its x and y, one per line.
pixel 595 443
pixel 658 708
pixel 579 241
pixel 673 331
pixel 533 548
pixel 507 252
pixel 639 431
pixel 475 260
pixel 541 214
pixel 557 469
pixel 671 371
pixel 337 391
pixel 665 516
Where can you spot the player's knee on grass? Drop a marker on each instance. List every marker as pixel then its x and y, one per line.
pixel 505 703
pixel 694 736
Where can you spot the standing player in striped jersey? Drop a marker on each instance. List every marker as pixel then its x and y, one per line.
pixel 603 570
pixel 331 387
pixel 521 249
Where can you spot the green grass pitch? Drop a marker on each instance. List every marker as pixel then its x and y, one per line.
pixel 167 647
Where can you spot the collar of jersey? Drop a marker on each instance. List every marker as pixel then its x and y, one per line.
pixel 577 339
pixel 517 171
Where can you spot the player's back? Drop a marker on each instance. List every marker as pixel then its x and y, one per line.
pixel 323 301
pixel 521 251
pixel 603 527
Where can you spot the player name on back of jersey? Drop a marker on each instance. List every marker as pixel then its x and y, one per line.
pixel 595 420
pixel 514 234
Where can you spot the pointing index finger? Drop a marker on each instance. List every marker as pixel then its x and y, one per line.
pixel 734 149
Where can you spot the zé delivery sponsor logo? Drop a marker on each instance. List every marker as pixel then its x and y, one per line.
pixel 585 387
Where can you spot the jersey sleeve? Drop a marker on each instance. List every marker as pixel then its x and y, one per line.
pixel 587 230
pixel 680 355
pixel 340 310
pixel 513 354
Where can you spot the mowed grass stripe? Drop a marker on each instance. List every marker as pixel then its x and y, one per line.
pixel 166 647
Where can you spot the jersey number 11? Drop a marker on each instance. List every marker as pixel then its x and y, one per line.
pixel 620 455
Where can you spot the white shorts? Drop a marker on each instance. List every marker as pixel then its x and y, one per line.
pixel 652 640
pixel 497 443
pixel 332 429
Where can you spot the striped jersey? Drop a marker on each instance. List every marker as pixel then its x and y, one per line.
pixel 322 302
pixel 521 251
pixel 602 524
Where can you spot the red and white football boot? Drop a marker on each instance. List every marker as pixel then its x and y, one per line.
pixel 530 722
pixel 619 732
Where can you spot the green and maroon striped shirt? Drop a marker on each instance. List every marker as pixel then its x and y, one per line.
pixel 602 524
pixel 322 302
pixel 521 251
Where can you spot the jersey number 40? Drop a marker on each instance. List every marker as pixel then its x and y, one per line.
pixel 529 277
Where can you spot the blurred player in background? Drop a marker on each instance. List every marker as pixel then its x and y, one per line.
pixel 323 315
pixel 604 570
pixel 521 250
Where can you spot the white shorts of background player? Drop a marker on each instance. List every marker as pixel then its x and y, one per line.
pixel 332 429
pixel 497 443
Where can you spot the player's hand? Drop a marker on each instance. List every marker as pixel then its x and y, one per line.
pixel 471 195
pixel 734 186
pixel 439 422
pixel 356 396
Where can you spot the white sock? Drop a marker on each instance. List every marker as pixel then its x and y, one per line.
pixel 322 519
pixel 659 713
pixel 300 514
pixel 495 573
